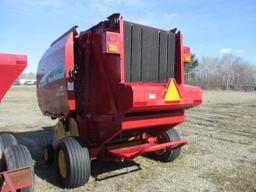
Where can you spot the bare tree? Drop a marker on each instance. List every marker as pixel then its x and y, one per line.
pixel 228 72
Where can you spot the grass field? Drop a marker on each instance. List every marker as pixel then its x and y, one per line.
pixel 221 154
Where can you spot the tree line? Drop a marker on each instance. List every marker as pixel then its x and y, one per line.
pixel 227 72
pixel 29 75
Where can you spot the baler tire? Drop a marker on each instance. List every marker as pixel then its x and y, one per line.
pixel 77 163
pixel 18 156
pixel 48 154
pixel 169 155
pixel 6 140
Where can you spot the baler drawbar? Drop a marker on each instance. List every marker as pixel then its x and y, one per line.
pixel 118 91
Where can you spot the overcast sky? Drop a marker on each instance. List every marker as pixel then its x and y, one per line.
pixel 210 27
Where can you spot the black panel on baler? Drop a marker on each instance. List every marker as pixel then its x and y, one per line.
pixel 149 53
pixel 136 54
pixel 150 45
pixel 128 49
pixel 163 56
pixel 171 55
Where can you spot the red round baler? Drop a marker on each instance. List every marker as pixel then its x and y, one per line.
pixel 118 91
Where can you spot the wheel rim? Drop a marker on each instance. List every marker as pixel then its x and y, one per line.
pixel 46 155
pixel 62 164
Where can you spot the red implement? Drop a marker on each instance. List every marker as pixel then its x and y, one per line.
pixel 11 66
pixel 115 83
pixel 15 179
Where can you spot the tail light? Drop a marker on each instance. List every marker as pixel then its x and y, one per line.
pixel 187 55
pixel 111 43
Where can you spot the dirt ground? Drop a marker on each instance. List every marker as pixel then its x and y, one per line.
pixel 221 154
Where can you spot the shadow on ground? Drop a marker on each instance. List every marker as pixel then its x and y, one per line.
pixel 101 170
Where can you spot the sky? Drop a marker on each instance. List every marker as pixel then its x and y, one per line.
pixel 210 27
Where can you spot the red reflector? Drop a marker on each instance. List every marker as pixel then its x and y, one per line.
pixel 112 37
pixel 140 103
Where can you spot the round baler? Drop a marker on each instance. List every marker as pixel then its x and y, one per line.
pixel 117 90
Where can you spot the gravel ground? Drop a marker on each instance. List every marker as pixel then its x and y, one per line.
pixel 221 155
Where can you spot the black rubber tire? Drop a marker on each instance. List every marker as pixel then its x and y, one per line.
pixel 50 151
pixel 170 155
pixel 78 163
pixel 6 140
pixel 18 156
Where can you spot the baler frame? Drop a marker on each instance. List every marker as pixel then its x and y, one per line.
pixel 130 152
pixel 82 108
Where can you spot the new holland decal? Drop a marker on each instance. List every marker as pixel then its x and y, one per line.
pixel 56 73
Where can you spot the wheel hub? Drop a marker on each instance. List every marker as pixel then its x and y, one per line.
pixel 62 164
pixel 46 155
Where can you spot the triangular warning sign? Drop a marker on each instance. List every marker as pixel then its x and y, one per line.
pixel 172 93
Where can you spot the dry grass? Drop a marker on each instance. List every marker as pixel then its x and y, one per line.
pixel 221 155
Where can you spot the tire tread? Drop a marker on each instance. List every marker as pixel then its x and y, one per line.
pixel 171 155
pixel 77 157
pixel 18 156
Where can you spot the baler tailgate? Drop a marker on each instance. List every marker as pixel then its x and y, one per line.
pixel 149 53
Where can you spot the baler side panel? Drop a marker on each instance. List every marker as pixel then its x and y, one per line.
pixel 55 90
